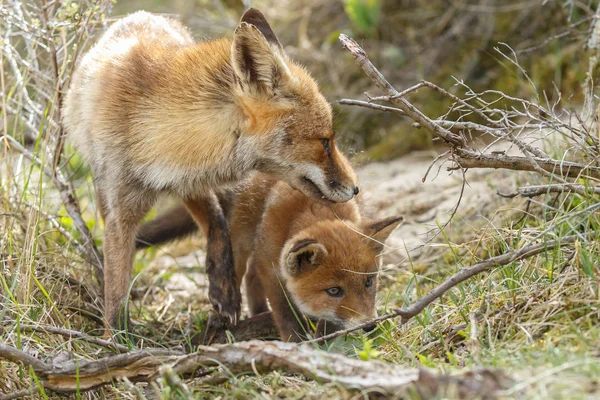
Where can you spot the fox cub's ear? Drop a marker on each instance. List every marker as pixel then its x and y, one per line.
pixel 378 231
pixel 256 55
pixel 301 254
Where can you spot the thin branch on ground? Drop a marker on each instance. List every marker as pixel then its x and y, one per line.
pixel 21 393
pixel 221 361
pixel 73 334
pixel 407 313
pixel 517 163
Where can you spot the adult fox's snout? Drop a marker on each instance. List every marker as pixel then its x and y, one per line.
pixel 316 185
pixel 333 180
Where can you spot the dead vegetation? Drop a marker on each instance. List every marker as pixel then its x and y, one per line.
pixel 527 327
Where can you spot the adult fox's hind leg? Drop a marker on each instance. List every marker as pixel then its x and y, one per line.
pixel 122 209
pixel 101 204
pixel 223 290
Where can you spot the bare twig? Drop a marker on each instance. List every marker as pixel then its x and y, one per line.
pixel 60 140
pixel 411 111
pixel 21 393
pixel 400 94
pixel 72 334
pixel 366 104
pixel 534 159
pixel 561 168
pixel 444 154
pixel 17 356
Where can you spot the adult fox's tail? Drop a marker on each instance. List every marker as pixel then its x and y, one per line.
pixel 175 223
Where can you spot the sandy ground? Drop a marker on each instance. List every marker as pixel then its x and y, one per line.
pixel 397 187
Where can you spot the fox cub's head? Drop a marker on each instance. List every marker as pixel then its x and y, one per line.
pixel 286 119
pixel 331 269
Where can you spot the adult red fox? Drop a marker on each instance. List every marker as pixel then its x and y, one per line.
pixel 152 111
pixel 306 257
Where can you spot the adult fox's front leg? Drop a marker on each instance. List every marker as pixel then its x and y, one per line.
pixel 123 210
pixel 223 290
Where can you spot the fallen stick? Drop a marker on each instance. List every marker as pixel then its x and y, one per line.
pixel 256 357
pixel 532 191
pixel 72 334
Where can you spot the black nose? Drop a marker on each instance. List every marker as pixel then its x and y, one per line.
pixel 356 190
pixel 369 328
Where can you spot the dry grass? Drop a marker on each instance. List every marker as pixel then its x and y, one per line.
pixel 537 320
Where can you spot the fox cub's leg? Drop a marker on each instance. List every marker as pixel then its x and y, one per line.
pixel 122 210
pixel 290 322
pixel 223 290
pixel 255 293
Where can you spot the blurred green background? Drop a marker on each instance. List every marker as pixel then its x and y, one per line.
pixel 408 40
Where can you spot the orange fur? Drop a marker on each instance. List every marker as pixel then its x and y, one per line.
pixel 299 248
pixel 152 111
pixel 290 249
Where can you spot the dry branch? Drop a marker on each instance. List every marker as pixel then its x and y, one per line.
pixel 72 334
pixel 360 103
pixel 21 393
pixel 532 191
pixel 503 128
pixel 561 168
pixel 252 357
pixel 411 111
pixel 14 355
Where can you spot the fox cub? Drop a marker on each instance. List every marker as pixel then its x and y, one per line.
pixel 305 257
pixel 154 112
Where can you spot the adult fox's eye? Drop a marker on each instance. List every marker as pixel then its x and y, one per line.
pixel 325 143
pixel 369 281
pixel 335 291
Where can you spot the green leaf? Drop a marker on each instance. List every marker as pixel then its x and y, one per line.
pixel 364 15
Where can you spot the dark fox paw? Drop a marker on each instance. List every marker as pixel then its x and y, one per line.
pixel 224 316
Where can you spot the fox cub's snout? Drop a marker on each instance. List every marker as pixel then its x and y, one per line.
pixel 331 269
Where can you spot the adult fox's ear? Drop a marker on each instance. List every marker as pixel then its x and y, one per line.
pixel 378 231
pixel 254 17
pixel 257 57
pixel 302 254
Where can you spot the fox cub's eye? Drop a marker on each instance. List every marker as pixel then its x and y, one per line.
pixel 335 291
pixel 369 281
pixel 325 143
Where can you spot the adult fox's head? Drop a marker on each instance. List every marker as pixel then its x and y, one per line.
pixel 330 269
pixel 286 119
